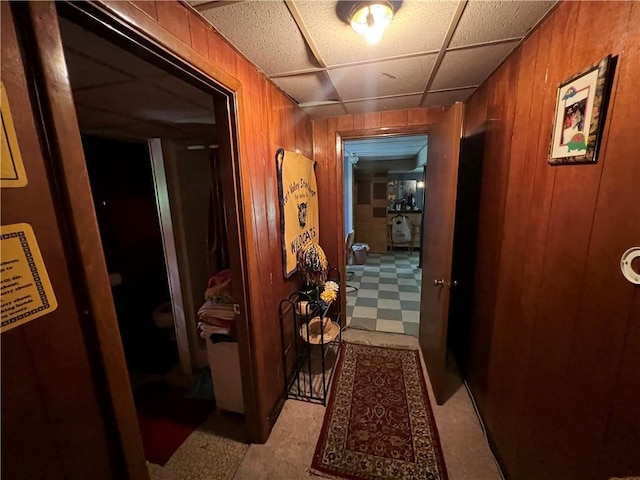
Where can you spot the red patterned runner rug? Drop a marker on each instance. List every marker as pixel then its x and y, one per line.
pixel 379 423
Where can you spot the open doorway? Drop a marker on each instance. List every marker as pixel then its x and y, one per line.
pixel 383 202
pixel 151 143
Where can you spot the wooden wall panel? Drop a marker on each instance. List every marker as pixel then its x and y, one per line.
pixel 554 380
pixel 508 288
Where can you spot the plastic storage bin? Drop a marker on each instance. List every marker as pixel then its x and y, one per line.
pixel 224 362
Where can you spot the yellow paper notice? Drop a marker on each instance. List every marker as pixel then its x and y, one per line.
pixel 12 172
pixel 25 289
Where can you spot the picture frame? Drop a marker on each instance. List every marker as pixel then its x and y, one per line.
pixel 581 104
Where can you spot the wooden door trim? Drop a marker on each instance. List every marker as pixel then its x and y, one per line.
pixel 341 136
pixel 170 251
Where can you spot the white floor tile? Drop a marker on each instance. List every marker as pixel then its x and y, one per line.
pixel 365 312
pixel 368 293
pixel 414 297
pixel 406 281
pixel 389 326
pixel 410 316
pixel 385 303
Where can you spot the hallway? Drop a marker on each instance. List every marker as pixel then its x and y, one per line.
pixel 289 450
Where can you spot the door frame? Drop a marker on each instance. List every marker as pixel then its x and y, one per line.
pixel 127 26
pixel 341 136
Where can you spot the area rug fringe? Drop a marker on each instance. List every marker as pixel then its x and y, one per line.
pixel 384 345
pixel 318 473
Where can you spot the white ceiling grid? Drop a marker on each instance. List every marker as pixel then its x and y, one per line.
pixel 433 53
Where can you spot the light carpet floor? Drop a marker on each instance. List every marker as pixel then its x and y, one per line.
pixel 287 455
pixel 290 448
pixel 213 451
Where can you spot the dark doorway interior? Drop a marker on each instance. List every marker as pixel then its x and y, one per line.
pixel 123 193
pixel 464 247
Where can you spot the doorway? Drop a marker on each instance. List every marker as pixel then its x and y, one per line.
pixel 151 144
pixel 383 205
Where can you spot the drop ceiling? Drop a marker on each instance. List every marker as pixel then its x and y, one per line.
pixel 402 153
pixel 433 53
pixel 119 95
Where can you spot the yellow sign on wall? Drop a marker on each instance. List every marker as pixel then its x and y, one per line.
pixel 25 289
pixel 299 214
pixel 12 172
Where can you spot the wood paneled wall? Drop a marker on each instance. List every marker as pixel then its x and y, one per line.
pixel 266 121
pixel 556 328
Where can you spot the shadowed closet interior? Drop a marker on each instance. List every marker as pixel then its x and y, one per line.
pixel 151 150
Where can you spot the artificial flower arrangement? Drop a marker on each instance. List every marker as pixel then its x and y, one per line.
pixel 313 266
pixel 330 292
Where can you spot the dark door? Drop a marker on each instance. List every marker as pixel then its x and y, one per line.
pixel 437 248
pixel 465 240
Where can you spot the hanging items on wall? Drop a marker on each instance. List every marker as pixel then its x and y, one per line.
pixel 581 105
pixel 299 216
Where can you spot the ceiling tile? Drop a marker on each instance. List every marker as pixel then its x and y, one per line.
pixel 140 100
pixel 311 87
pixel 392 77
pixel 90 118
pixel 484 21
pixel 382 104
pixel 105 52
pixel 405 146
pixel 339 44
pixel 84 72
pixel 322 111
pixel 447 98
pixel 186 91
pixel 265 32
pixel 461 68
pixel 146 130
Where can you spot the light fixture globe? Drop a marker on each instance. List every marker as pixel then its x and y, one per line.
pixel 371 18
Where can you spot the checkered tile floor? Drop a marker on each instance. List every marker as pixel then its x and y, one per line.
pixel 388 295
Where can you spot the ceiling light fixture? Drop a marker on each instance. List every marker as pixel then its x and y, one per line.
pixel 371 18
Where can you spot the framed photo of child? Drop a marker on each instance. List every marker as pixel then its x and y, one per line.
pixel 581 104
